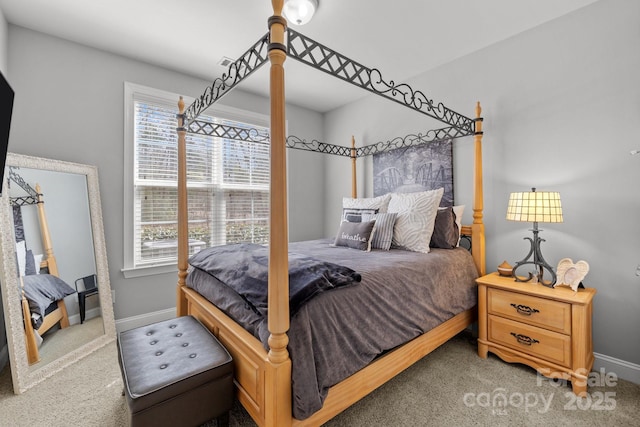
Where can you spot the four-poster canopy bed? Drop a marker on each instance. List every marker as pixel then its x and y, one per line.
pixel 40 309
pixel 264 369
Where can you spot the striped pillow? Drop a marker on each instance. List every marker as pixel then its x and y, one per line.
pixel 383 232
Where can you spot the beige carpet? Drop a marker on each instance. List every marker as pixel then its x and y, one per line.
pixel 58 342
pixel 87 393
pixel 450 387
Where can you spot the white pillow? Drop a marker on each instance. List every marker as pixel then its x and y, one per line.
pixel 458 211
pixel 21 254
pixel 38 261
pixel 416 215
pixel 381 203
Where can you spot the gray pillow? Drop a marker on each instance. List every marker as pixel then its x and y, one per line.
pixel 355 235
pixel 30 264
pixel 445 230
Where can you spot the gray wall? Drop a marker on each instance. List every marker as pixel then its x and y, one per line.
pixel 561 104
pixel 69 106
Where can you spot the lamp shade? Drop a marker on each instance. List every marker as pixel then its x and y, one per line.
pixel 535 206
pixel 299 12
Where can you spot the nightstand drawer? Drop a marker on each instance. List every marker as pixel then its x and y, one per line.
pixel 546 313
pixel 535 341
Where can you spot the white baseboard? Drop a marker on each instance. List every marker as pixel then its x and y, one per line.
pixel 625 370
pixel 90 314
pixel 144 319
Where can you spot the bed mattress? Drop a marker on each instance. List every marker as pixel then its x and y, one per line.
pixel 402 294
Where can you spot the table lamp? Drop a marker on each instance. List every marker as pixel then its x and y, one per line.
pixel 535 206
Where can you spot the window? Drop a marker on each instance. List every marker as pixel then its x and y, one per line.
pixel 227 182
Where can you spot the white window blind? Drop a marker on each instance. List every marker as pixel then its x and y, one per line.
pixel 227 181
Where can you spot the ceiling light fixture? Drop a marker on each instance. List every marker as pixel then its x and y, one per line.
pixel 299 12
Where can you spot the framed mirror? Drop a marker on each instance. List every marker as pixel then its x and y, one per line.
pixel 52 242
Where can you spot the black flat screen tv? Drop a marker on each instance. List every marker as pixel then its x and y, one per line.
pixel 6 109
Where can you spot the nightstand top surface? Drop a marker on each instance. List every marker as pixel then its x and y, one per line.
pixel 560 293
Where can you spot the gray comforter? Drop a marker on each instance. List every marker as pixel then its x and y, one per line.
pixel 402 295
pixel 42 290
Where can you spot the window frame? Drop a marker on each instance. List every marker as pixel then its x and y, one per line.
pixel 133 92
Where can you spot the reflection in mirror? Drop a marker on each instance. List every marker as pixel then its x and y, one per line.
pixel 54 269
pixel 64 219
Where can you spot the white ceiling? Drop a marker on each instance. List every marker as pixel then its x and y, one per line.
pixel 402 38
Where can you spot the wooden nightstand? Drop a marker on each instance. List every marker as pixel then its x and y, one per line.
pixel 548 329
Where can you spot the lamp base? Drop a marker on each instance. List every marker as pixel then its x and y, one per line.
pixel 538 261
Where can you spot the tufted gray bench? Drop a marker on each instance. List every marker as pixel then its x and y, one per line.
pixel 175 373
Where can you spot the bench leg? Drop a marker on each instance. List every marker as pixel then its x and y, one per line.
pixel 81 305
pixel 223 420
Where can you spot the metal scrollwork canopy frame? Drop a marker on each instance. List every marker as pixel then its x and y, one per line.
pixel 322 58
pixel 32 195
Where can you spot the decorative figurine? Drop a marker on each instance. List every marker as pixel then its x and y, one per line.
pixel 505 269
pixel 570 274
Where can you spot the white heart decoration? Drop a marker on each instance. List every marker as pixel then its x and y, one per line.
pixel 570 274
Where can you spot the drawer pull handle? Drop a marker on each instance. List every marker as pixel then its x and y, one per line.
pixel 525 309
pixel 523 339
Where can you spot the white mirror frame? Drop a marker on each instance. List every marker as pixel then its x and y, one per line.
pixel 25 377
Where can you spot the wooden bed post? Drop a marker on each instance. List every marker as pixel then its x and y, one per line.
pixel 278 370
pixel 50 257
pixel 33 355
pixel 477 239
pixel 354 179
pixel 183 228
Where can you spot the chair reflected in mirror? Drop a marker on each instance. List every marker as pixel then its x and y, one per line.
pixel 85 286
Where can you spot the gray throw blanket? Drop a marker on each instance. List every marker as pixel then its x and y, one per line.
pixel 244 268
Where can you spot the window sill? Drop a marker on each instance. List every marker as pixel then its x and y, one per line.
pixel 130 273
